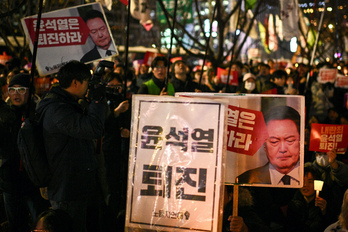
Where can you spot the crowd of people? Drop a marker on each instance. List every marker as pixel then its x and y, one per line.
pixel 86 136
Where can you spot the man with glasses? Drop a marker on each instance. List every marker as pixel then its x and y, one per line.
pixel 157 84
pixel 20 195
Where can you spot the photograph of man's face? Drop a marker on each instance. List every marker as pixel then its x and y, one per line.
pixel 283 146
pixel 99 32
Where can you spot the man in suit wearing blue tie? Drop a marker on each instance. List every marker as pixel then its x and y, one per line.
pixel 282 149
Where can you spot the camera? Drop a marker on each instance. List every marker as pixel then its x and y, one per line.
pixel 100 71
pixel 97 85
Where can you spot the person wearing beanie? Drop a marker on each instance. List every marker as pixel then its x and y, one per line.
pixel 20 195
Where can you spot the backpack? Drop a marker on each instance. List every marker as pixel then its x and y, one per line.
pixel 32 151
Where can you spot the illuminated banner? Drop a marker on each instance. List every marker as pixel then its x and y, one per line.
pixel 222 75
pixel 325 137
pixel 175 169
pixel 78 33
pixel 327 75
pixel 265 138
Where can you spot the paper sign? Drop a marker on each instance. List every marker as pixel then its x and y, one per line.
pixel 64 36
pixel 325 137
pixel 341 81
pixel 4 58
pixel 222 75
pixel 327 75
pixel 253 168
pixel 246 130
pixel 175 169
pixel 58 31
pixel 150 56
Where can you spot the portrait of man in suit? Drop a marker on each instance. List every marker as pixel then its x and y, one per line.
pixel 282 149
pixel 99 33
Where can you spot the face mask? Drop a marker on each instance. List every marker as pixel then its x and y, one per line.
pixel 249 86
pixel 322 160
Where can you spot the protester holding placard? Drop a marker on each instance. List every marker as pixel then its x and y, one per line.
pixel 306 212
pixel 247 219
pixel 335 176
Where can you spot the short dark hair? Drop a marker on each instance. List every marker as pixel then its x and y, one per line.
pixel 92 14
pixel 159 58
pixel 265 65
pixel 309 167
pixel 278 74
pixel 73 70
pixel 282 113
pixel 239 64
pixel 111 76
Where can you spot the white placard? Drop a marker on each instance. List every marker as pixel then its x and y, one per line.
pixel 241 140
pixel 175 167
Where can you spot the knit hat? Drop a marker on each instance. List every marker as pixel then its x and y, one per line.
pixel 22 79
pixel 248 75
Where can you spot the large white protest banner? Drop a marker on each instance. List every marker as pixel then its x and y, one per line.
pixel 265 139
pixel 175 164
pixel 64 36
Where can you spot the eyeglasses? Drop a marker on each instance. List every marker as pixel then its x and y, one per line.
pixel 20 90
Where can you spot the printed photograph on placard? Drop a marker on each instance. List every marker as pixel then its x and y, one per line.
pixel 77 33
pixel 265 139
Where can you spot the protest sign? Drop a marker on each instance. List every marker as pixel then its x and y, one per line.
pixel 65 36
pixel 325 137
pixel 222 76
pixel 261 168
pixel 175 170
pixel 149 56
pixel 327 75
pixel 341 81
